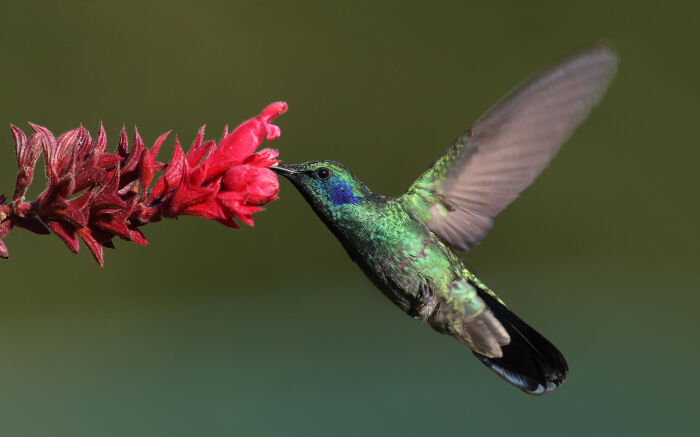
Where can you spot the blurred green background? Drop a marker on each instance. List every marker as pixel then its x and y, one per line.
pixel 272 330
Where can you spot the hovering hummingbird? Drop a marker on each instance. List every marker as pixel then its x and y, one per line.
pixel 406 244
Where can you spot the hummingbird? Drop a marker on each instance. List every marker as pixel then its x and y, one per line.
pixel 407 245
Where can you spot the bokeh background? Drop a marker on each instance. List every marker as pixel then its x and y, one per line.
pixel 272 330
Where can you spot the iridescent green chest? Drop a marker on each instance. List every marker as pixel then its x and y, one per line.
pixel 399 253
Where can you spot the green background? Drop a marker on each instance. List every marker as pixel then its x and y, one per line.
pixel 272 330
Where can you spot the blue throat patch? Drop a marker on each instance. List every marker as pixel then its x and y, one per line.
pixel 340 192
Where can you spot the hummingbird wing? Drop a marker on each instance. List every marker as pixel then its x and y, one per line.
pixel 508 147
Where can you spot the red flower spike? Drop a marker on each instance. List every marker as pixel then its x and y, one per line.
pixel 96 196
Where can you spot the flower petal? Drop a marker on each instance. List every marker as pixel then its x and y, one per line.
pixel 210 209
pixel 173 172
pixel 242 141
pixel 93 245
pixel 66 233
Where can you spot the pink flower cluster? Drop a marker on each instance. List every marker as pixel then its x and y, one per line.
pixel 95 196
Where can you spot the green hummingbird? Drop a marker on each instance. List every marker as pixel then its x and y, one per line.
pixel 406 244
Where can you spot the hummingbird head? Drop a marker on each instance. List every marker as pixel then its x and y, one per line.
pixel 329 187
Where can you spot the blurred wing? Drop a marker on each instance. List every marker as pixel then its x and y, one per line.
pixel 507 148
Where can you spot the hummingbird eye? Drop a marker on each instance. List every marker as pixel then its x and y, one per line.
pixel 323 173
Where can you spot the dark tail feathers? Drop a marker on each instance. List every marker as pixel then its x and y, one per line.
pixel 529 362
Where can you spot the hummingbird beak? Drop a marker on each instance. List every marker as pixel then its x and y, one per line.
pixel 284 170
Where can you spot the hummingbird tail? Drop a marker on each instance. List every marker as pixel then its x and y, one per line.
pixel 529 362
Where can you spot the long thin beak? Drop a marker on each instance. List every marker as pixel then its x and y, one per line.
pixel 284 170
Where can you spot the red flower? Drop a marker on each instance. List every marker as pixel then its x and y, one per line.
pixel 96 196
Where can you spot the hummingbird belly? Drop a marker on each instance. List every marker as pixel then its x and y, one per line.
pixel 413 269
